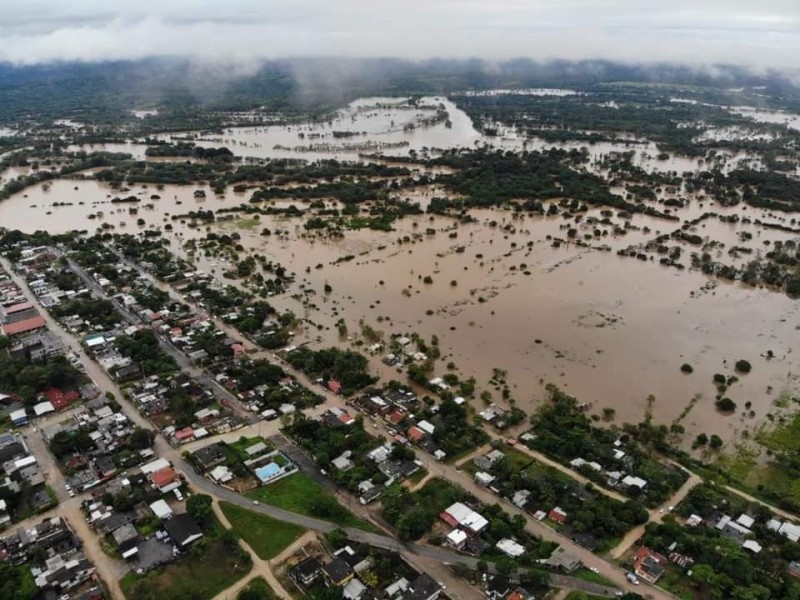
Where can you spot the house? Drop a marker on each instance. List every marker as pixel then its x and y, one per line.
pixel 335 386
pixel 564 560
pixel 209 456
pixel 427 427
pixel 354 590
pixel 790 531
pixel 557 515
pixel 166 479
pixel 19 418
pixel 307 571
pixel 343 462
pixel 586 540
pixel 649 565
pixel 183 530
pixel 161 510
pixel 460 515
pixel 457 538
pixel 484 479
pixel 24 326
pixel 633 482
pixel 337 572
pixel 221 474
pixel 793 570
pixel 510 548
pixel 423 588
pixel 753 546
pixel 520 498
pixel 5 518
pixel 415 434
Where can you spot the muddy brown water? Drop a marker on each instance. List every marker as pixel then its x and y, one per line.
pixel 610 330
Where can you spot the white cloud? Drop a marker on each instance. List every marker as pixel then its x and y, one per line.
pixel 766 33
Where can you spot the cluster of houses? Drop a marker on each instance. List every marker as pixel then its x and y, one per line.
pixel 20 472
pixel 19 318
pixel 343 570
pixel 615 479
pixel 109 431
pixel 52 552
pixel 156 487
pixel 263 464
pixel 154 395
pixel 395 409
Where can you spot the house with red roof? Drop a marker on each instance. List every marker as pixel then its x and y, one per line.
pixel 61 400
pixel 166 479
pixel 649 564
pixel 415 434
pixel 184 435
pixel 23 327
pixel 238 349
pixel 335 386
pixel 557 515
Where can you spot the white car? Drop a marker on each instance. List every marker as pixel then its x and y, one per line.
pixel 594 570
pixel 256 502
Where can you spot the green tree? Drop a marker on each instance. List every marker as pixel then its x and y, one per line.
pixel 199 508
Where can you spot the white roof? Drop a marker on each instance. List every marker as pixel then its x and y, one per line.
pixel 18 415
pixel 745 521
pixel 475 522
pixel 427 427
pixel 2 505
pixel 459 400
pixel 790 530
pixel 484 478
pixel 638 482
pixel 510 547
pixel 456 537
pixel 752 545
pixel 130 552
pixel 156 465
pixel 43 408
pixel 459 511
pixel 95 341
pixel 353 590
pixel 25 462
pixel 161 509
pixel 221 474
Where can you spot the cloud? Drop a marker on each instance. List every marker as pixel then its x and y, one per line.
pixel 763 34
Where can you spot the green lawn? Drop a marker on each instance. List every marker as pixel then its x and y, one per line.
pixel 297 493
pixel 198 576
pixel 258 588
pixel 587 575
pixel 266 536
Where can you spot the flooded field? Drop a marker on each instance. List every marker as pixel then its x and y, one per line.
pixel 608 329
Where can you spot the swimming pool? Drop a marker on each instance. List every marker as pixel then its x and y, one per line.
pixel 268 471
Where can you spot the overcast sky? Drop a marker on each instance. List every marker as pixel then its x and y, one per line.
pixel 763 33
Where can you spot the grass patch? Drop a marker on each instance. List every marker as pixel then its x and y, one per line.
pixel 587 575
pixel 197 575
pixel 260 587
pixel 239 446
pixel 297 493
pixel 784 437
pixel 740 464
pixel 268 537
pixel 582 596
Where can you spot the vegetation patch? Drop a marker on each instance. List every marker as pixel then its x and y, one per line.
pixel 299 494
pixel 268 537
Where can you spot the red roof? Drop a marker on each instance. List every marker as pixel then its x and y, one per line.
pixel 335 386
pixel 183 434
pixel 448 518
pixel 59 399
pixel 10 310
pixel 415 433
pixel 559 516
pixel 395 417
pixel 164 477
pixel 24 326
pixel 237 348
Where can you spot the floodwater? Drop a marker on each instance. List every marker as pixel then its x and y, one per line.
pixel 610 330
